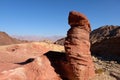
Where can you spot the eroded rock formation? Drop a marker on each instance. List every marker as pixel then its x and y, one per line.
pixel 27 61
pixel 77 47
pixel 39 69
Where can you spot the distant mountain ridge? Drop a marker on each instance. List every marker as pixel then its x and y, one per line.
pixel 36 37
pixel 6 39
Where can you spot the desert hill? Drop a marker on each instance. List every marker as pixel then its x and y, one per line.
pixel 105 40
pixel 6 39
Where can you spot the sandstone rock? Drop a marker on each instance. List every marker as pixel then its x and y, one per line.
pixel 27 61
pixel 38 69
pixel 77 47
pixel 105 41
pixel 21 52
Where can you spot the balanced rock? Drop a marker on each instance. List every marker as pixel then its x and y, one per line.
pixel 77 47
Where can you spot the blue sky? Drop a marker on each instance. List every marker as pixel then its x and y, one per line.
pixel 50 17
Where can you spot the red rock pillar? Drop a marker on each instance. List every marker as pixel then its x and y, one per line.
pixel 77 47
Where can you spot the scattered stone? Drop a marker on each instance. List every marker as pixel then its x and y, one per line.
pixel 116 75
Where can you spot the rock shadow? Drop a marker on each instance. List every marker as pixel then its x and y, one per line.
pixel 58 59
pixel 108 57
pixel 26 62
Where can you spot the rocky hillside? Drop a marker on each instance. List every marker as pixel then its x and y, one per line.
pixel 60 41
pixel 106 68
pixel 5 39
pixel 105 40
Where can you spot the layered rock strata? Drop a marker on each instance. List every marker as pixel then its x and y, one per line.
pixel 105 41
pixel 77 47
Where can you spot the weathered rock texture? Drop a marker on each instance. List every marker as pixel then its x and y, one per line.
pixel 27 61
pixel 105 40
pixel 77 47
pixel 38 69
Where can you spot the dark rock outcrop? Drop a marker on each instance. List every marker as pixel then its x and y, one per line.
pixel 105 41
pixel 77 47
pixel 60 41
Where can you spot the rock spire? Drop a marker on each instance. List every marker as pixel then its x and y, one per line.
pixel 77 47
